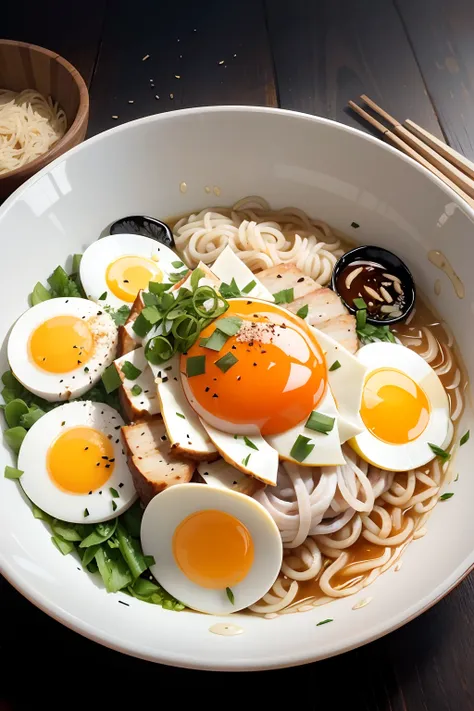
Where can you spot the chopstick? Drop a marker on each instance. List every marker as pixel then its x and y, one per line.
pixel 410 144
pixel 449 153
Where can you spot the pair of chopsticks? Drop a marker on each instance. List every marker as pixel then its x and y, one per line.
pixel 449 165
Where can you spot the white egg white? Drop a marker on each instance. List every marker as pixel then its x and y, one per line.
pixel 38 484
pixel 100 254
pixel 62 386
pixel 439 430
pixel 167 510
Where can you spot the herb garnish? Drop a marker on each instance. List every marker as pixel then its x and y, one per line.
pixel 446 496
pixel 285 296
pixel 464 438
pixel 114 492
pixel 230 291
pixel 230 325
pixel 245 460
pixel 301 448
pixel 248 287
pixel 226 362
pixel 12 473
pixel 136 390
pixel 230 596
pixel 303 311
pixel 324 622
pixel 367 332
pixel 130 371
pixel 216 340
pixel 180 414
pixel 111 379
pixel 319 422
pixel 103 296
pixel 195 365
pixel 441 453
pixel 335 366
pixel 250 444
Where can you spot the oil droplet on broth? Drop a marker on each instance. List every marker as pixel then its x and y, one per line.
pixel 441 261
pixel 437 287
pixel 216 190
pixel 207 189
pixel 225 630
pixel 183 187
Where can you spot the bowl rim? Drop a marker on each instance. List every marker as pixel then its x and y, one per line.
pixel 61 614
pixel 81 114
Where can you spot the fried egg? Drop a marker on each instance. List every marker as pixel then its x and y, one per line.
pixel 60 348
pixel 114 269
pixel 216 550
pixel 404 409
pixel 73 464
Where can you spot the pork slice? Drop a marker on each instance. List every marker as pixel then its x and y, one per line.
pixel 287 276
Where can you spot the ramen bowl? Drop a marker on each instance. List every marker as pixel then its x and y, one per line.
pixel 182 162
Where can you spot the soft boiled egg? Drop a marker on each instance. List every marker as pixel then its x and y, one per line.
pixel 59 348
pixel 114 269
pixel 216 550
pixel 73 464
pixel 404 409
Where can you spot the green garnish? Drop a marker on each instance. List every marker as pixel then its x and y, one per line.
pixel 446 496
pixel 196 277
pixel 158 350
pixel 324 622
pixel 12 473
pixel 320 423
pixel 179 414
pixel 457 477
pixel 114 492
pixel 195 365
pixel 245 460
pixel 285 296
pixel 111 379
pixel 177 276
pixel 103 296
pixel 114 506
pixel 250 444
pixel 335 366
pixel 441 453
pixel 177 265
pixel 14 411
pixel 158 288
pixel 226 362
pixel 130 371
pixel 33 415
pixel 86 513
pixel 248 287
pixel 64 546
pixel 14 438
pixel 118 316
pixel 301 448
pixel 63 285
pixel 149 299
pixel 136 390
pixel 215 342
pixel 76 263
pixel 229 325
pixel 40 293
pixel 367 332
pixel 355 225
pixel 230 595
pixel 361 319
pixel 359 303
pixel 303 311
pixel 230 291
pixel 141 325
pixel 464 438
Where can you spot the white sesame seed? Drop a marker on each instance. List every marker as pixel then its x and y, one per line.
pixel 115 117
pixel 147 56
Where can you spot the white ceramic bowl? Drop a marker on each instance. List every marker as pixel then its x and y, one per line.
pixel 331 171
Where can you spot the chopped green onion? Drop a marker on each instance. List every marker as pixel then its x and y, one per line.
pixel 250 444
pixel 64 546
pixel 14 438
pixel 248 287
pixel 226 362
pixel 245 460
pixel 101 533
pixel 328 619
pixel 130 371
pixel 76 263
pixel 136 390
pixel 149 299
pixel 40 293
pixel 103 296
pixel 177 265
pixel 114 506
pixel 303 311
pixel 14 411
pixel 464 438
pixel 12 473
pixel 114 492
pixel 359 303
pixel 195 365
pixel 446 496
pixel 320 423
pixel 177 276
pixel 361 319
pixel 66 531
pixel 335 366
pixel 185 328
pixel 230 325
pixel 285 296
pixel 203 294
pixel 196 277
pixel 230 596
pixel 158 350
pixel 86 513
pixel 301 448
pixel 441 453
pixel 179 414
pixel 215 341
pixel 111 379
pixel 158 287
pixel 141 325
pixel 151 314
pixel 230 291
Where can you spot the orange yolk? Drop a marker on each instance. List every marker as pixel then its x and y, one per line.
pixel 80 460
pixel 213 549
pixel 394 408
pixel 279 376
pixel 60 343
pixel 127 275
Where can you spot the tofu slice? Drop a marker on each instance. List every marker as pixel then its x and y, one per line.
pixel 127 338
pixel 229 266
pixel 153 465
pixel 323 304
pixel 146 404
pixel 222 475
pixel 287 276
pixel 343 330
pixel 185 432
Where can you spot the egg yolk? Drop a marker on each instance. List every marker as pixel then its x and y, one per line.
pixel 127 275
pixel 394 408
pixel 213 549
pixel 61 344
pixel 277 378
pixel 80 460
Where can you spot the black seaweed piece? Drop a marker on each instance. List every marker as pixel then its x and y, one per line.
pixel 146 226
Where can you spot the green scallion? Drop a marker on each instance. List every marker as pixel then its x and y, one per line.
pixel 195 365
pixel 12 473
pixel 245 460
pixel 301 448
pixel 359 303
pixel 111 379
pixel 114 492
pixel 250 444
pixel 158 350
pixel 324 622
pixel 464 438
pixel 446 496
pixel 303 311
pixel 136 390
pixel 335 366
pixel 230 596
pixel 180 414
pixel 130 371
pixel 226 362
pixel 441 453
pixel 230 325
pixel 103 296
pixel 248 287
pixel 319 422
pixel 285 296
pixel 215 342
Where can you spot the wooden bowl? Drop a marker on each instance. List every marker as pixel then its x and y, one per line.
pixel 26 66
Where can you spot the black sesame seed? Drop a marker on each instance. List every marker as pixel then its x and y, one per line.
pixel 121 484
pixel 298 281
pixel 279 276
pixel 215 395
pixel 207 389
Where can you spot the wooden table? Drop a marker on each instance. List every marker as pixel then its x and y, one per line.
pixel 415 58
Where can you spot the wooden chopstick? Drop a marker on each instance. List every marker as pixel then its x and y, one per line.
pixel 457 176
pixel 406 148
pixel 449 153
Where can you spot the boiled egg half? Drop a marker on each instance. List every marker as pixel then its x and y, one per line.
pixel 404 409
pixel 216 550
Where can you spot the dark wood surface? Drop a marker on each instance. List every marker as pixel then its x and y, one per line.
pixel 414 57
